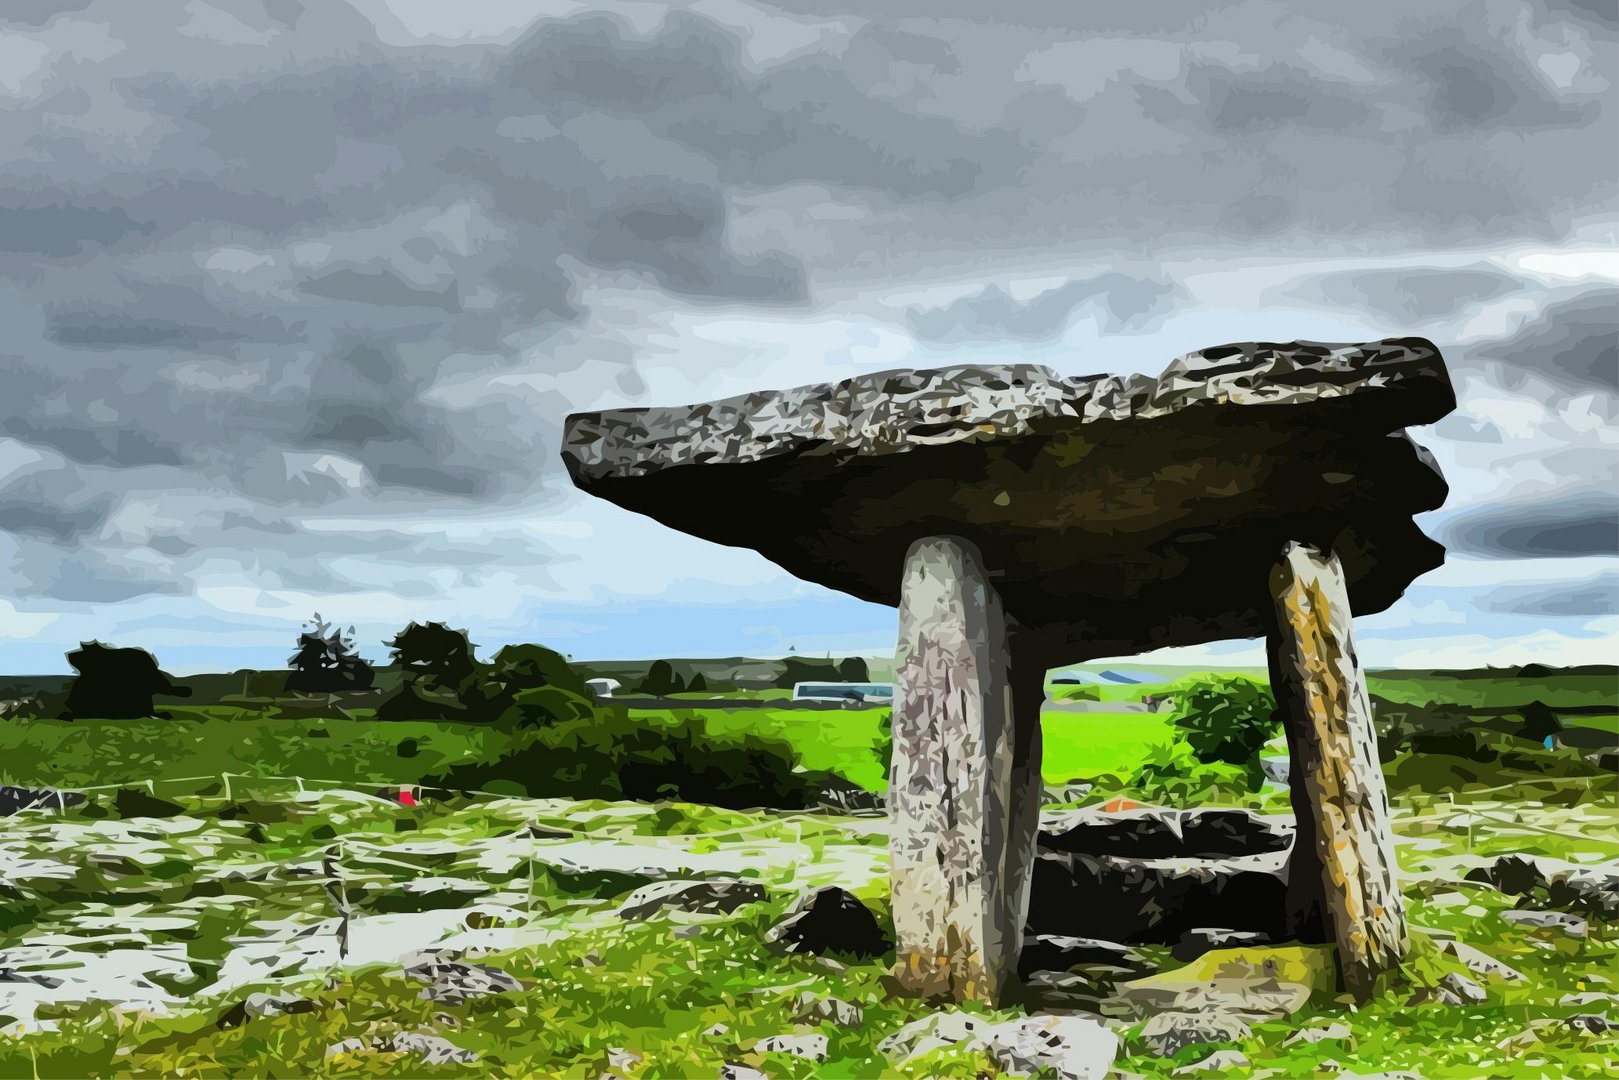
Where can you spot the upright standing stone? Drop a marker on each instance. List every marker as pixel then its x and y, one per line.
pixel 1345 842
pixel 956 882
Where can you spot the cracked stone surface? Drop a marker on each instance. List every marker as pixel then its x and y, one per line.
pixel 1133 511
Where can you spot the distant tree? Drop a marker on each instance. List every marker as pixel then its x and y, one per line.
pixel 1539 722
pixel 326 661
pixel 529 667
pixel 854 670
pixel 698 684
pixel 661 680
pixel 116 684
pixel 437 669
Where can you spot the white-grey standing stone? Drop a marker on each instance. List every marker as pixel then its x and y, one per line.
pixel 951 791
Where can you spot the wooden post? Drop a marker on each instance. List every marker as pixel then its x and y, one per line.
pixel 960 790
pixel 1343 855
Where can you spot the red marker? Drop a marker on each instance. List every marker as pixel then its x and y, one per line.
pixel 406 798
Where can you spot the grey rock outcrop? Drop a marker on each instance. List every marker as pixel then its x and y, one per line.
pixel 712 896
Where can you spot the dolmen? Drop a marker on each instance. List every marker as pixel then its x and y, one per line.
pixel 1021 520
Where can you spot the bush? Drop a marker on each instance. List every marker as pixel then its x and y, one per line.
pixel 529 667
pixel 116 684
pixel 608 755
pixel 1225 719
pixel 661 680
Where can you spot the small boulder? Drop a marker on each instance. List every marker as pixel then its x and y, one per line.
pixel 830 920
pixel 1201 939
pixel 1070 1047
pixel 810 1008
pixel 430 1049
pixel 808 1047
pixel 1168 1033
pixel 1457 989
pixel 1481 963
pixel 1571 925
pixel 1588 1024
pixel 254 1006
pixel 1219 1061
pixel 1332 1032
pixel 712 896
pixel 733 1071
pixel 931 1033
pixel 1587 998
pixel 1055 952
pixel 454 982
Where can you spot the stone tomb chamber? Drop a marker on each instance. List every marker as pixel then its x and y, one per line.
pixel 1021 520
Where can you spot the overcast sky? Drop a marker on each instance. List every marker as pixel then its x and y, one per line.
pixel 295 294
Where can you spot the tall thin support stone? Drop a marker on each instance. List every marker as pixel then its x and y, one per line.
pixel 960 785
pixel 1343 858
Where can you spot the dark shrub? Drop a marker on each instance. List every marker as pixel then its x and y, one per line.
pixel 609 755
pixel 661 680
pixel 326 661
pixel 438 676
pixel 1225 719
pixel 529 667
pixel 115 684
pixel 1538 722
pixel 854 670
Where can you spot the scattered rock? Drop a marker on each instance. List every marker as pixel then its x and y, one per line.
pixel 812 1009
pixel 1071 1047
pixel 1587 998
pixel 14 799
pixel 431 1049
pixel 1252 984
pixel 1156 900
pixel 1555 883
pixel 1168 1033
pixel 1588 1024
pixel 712 896
pixel 620 1058
pixel 1329 1033
pixel 1219 1061
pixel 1052 985
pixel 1149 832
pixel 690 930
pixel 733 1071
pixel 830 920
pixel 254 1006
pixel 1571 925
pixel 1201 939
pixel 454 981
pixel 1054 952
pixel 1457 989
pixel 930 1033
pixel 808 1047
pixel 348 1046
pixel 716 1029
pixel 1481 963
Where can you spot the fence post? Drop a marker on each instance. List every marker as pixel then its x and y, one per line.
pixel 333 873
pixel 225 776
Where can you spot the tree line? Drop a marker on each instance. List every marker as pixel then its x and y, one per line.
pixel 440 677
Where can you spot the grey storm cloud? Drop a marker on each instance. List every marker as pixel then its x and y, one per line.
pixel 1589 598
pixel 1585 523
pixel 1408 295
pixel 1125 303
pixel 254 256
pixel 1573 341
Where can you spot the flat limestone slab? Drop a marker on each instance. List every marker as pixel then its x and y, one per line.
pixel 1134 512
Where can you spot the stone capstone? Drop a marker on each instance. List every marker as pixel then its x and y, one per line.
pixel 1131 512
